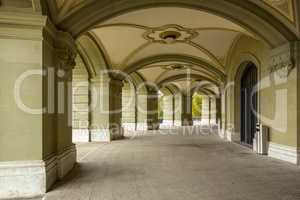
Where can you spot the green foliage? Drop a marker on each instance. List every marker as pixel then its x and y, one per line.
pixel 197 105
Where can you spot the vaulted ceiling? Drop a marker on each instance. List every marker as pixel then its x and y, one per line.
pixel 165 44
pixel 168 41
pixel 169 45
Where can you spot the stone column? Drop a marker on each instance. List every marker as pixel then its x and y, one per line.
pixel 36 69
pixel 187 116
pixel 178 109
pixel 152 109
pixel 142 108
pixel 223 100
pixel 115 109
pixel 205 110
pixel 106 107
pixel 66 151
pixel 218 111
pixel 168 113
pixel 128 107
pixel 80 87
pixel 213 110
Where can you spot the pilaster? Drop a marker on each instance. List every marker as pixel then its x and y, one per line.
pixel 284 74
pixel 152 109
pixel 187 116
pixel 168 111
pixel 106 112
pixel 205 109
pixel 35 143
pixel 142 107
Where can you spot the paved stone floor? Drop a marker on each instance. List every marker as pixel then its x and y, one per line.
pixel 176 168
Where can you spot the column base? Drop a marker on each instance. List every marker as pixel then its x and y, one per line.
pixel 80 135
pixel 100 135
pixel 284 153
pixel 205 121
pixel 106 135
pixel 29 179
pixel 129 126
pixel 166 124
pixel 117 134
pixel 142 126
pixel 66 161
pixel 177 123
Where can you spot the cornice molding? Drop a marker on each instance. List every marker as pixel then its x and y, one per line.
pixel 24 26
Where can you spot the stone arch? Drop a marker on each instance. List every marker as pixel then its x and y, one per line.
pixel 218 73
pixel 92 54
pixel 237 95
pixel 141 101
pixel 262 23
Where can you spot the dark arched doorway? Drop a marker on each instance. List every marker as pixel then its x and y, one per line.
pixel 248 104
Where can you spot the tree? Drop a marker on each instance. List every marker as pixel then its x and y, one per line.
pixel 197 105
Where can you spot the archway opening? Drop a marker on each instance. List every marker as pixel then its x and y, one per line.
pixel 248 104
pixel 197 108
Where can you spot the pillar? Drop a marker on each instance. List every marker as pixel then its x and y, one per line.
pixel 36 72
pixel 213 110
pixel 205 110
pixel 187 115
pixel 168 111
pixel 128 107
pixel 80 118
pixel 142 108
pixel 178 109
pixel 218 111
pixel 115 109
pixel 152 109
pixel 106 109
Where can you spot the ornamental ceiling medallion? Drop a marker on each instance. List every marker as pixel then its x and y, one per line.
pixel 176 67
pixel 285 7
pixel 170 34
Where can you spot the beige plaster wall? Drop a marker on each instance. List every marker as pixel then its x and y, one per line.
pixel 271 111
pixel 23 134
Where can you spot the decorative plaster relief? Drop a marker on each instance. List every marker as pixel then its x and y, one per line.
pixel 282 61
pixel 170 34
pixel 176 67
pixel 285 7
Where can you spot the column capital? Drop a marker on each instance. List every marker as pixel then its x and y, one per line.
pixel 284 59
pixel 116 82
pixel 151 90
pixel 65 50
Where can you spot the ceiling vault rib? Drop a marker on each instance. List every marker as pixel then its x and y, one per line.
pixel 101 48
pixel 85 57
pixel 174 57
pixel 207 52
pixel 134 52
pixel 181 76
pixel 121 25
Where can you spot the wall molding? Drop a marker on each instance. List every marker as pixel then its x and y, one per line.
pixel 66 161
pixel 80 135
pixel 29 179
pixel 100 135
pixel 285 153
